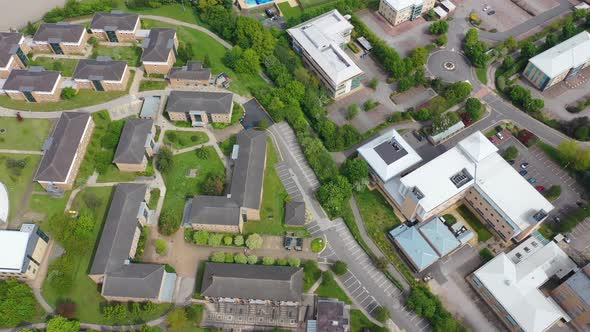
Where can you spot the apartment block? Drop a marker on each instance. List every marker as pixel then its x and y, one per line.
pixel 115 26
pixel 34 85
pixel 136 145
pixel 399 11
pixel 102 74
pixel 60 38
pixel 159 51
pixel 561 62
pixel 320 41
pixel 200 107
pixel 13 52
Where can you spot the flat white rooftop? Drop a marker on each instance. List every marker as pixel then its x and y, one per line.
pixel 321 38
pixel 569 54
pixel 13 247
pixel 515 284
pixel 4 203
pixel 477 157
pixel 389 155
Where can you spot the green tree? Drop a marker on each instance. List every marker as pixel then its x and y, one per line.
pixel 213 185
pixel 511 44
pixel 177 320
pixel 474 108
pixel 424 114
pixel 228 240
pixel 206 61
pixel 252 259
pixel 551 40
pixel 421 302
pixel 334 193
pixel 68 93
pixel 201 237
pixel 294 261
pixel 442 40
pixel 528 49
pixel 240 258
pixel 254 241
pixel 574 156
pixel 268 261
pixel 164 160
pixel 553 192
pixel 62 324
pixel 17 303
pixel 419 56
pixel 161 247
pixel 508 62
pixel 218 257
pixel 352 111
pixel 238 240
pixel 568 29
pixel 249 62
pixel 339 268
pixel 115 312
pixel 511 153
pixel 439 27
pixel 357 172
pixel 30 29
pixel 168 224
pixel 250 33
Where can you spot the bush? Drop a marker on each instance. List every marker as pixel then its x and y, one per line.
pixel 553 192
pixel 68 93
pixel 201 153
pixel 240 258
pixel 370 105
pixel 382 314
pixel 439 27
pixel 474 108
pixel 229 257
pixel 486 255
pixel 318 244
pixel 254 241
pixel 352 111
pixel 213 185
pixel 252 259
pixel 228 240
pixel 218 257
pixel 373 83
pixel 339 268
pixel 167 224
pixel 294 262
pixel 268 261
pixel 215 239
pixel 424 114
pixel 164 160
pixel 450 219
pixel 511 153
pixel 161 247
pixel 282 262
pixel 201 237
pixel 238 240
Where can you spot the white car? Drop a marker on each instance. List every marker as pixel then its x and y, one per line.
pixel 486 8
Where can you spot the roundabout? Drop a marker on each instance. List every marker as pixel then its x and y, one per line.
pixel 450 66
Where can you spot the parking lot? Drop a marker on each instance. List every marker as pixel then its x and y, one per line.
pixel 506 15
pixel 288 180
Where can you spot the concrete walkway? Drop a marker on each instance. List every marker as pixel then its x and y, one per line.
pixel 21 152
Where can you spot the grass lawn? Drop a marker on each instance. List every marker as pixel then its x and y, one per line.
pixel 47 204
pixel 146 85
pixel 85 97
pixel 288 11
pixel 272 212
pixel 306 4
pixel 184 139
pixel 154 198
pixel 131 54
pixel 236 115
pixel 241 84
pixel 482 75
pixel 84 291
pixel 483 234
pixel 26 135
pixel 359 322
pixel 330 289
pixel 113 174
pixel 180 187
pixel 175 11
pixel 16 179
pixel 65 66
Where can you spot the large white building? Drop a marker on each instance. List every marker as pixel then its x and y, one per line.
pixel 399 11
pixel 562 61
pixel 510 284
pixel 22 252
pixel 472 172
pixel 320 41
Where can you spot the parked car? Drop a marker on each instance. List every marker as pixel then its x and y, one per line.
pixel 269 12
pixel 524 165
pixel 532 180
pixel 499 135
pixel 287 242
pixel 486 8
pixel 298 244
pixel 557 219
pixel 540 189
pixel 566 239
pixel 523 172
pixel 418 135
pixel 427 277
pixel 491 12
pixel 511 162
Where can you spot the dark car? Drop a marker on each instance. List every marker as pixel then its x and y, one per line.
pixel 557 219
pixel 418 135
pixel 532 180
pixel 298 244
pixel 523 172
pixel 287 242
pixel 491 12
pixel 511 162
pixel 269 12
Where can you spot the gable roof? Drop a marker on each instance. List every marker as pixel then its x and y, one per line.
pixel 158 44
pixel 439 236
pixel 113 21
pixel 134 280
pixel 59 33
pixel 214 210
pixel 119 228
pixel 571 53
pixel 101 69
pixel 210 102
pixel 63 145
pixel 415 247
pixel 192 71
pixel 262 282
pixel 34 79
pixel 295 213
pixel 132 144
pixel 9 43
pixel 248 170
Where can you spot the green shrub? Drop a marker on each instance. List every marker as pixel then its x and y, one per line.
pixel 486 255
pixel 215 239
pixel 167 224
pixel 352 111
pixel 370 105
pixel 218 257
pixel 268 261
pixel 553 192
pixel 282 262
pixel 228 240
pixel 239 240
pixel 252 259
pixel 339 268
pixel 510 153
pixel 294 261
pixel 161 247
pixel 68 93
pixel 373 83
pixel 254 241
pixel 229 257
pixel 240 258
pixel 201 237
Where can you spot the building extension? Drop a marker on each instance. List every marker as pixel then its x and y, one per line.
pixel 573 296
pixel 60 38
pixel 200 107
pixel 102 74
pixel 563 61
pixel 473 172
pixel 281 285
pixel 136 145
pixel 159 51
pixel 64 151
pixel 321 42
pixel 34 85
pixel 193 74
pixel 121 279
pixel 331 315
pixel 115 26
pixel 399 11
pixel 229 213
pixel 13 52
pixel 22 252
pixel 512 284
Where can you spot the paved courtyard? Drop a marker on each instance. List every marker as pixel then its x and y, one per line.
pixel 250 317
pixel 414 97
pixel 507 14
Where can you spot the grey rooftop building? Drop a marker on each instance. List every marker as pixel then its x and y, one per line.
pixel 121 279
pixel 136 137
pixel 331 316
pixel 158 44
pixel 59 33
pixel 295 213
pixel 193 71
pixel 273 284
pixel 209 102
pixel 100 69
pixel 9 46
pixel 113 21
pixel 35 79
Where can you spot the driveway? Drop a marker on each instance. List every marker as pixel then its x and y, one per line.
pixel 254 114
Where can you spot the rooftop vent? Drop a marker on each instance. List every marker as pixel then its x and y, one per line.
pixel 419 195
pixel 461 178
pixel 47 144
pixel 395 144
pixel 103 58
pixel 36 69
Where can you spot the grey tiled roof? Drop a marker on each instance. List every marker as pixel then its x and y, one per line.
pixel 210 102
pixel 158 44
pixel 64 142
pixel 113 21
pixel 59 32
pixel 131 147
pixel 8 46
pixel 33 80
pixel 102 69
pixel 134 280
pixel 261 282
pixel 192 71
pixel 248 170
pixel 295 213
pixel 214 210
pixel 332 316
pixel 119 228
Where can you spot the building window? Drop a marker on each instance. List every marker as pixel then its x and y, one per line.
pixel 511 320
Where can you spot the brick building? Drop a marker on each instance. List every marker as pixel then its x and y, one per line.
pixel 115 26
pixel 13 52
pixel 35 85
pixel 199 107
pixel 136 145
pixel 60 38
pixel 102 74
pixel 159 51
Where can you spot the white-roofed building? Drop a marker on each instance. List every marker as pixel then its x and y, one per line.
pixel 441 13
pixel 562 61
pixel 399 11
pixel 21 252
pixel 4 204
pixel 472 171
pixel 320 42
pixel 510 284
